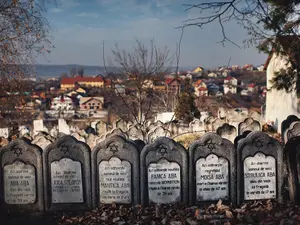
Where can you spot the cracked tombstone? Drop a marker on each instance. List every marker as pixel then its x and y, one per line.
pixel 259 168
pixel 115 171
pixel 21 173
pixel 292 154
pixel 212 170
pixel 67 176
pixel 292 131
pixel 248 124
pixel 227 131
pixel 286 124
pixel 164 173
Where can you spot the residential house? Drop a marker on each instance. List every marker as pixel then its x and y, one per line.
pixel 261 68
pixel 212 75
pixel 251 87
pixel 235 67
pixel 91 103
pixel 246 92
pixel 68 83
pixel 280 103
pixel 248 67
pixel 230 85
pixel 199 69
pixel 213 89
pixel 148 84
pixel 62 103
pixel 120 89
pixel 173 85
pixel 159 85
pixel 200 88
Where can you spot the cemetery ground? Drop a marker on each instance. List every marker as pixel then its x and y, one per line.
pixel 254 212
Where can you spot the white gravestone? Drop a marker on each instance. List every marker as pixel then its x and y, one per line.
pixel 19 183
pixel 4 132
pixel 66 181
pixel 164 184
pixel 260 177
pixel 38 125
pixel 115 181
pixel 63 127
pixel 212 178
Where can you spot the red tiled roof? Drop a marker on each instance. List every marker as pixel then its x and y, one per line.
pixel 170 80
pixel 202 89
pixel 198 82
pixel 73 80
pixel 251 85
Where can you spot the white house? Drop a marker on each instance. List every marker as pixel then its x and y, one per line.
pixel 230 85
pixel 279 103
pixel 212 74
pixel 62 103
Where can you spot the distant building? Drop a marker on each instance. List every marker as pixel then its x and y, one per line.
pixel 173 85
pixel 212 75
pixel 230 85
pixel 248 67
pixel 235 67
pixel 91 103
pixel 70 82
pixel 62 103
pixel 199 69
pixel 251 87
pixel 148 84
pixel 200 88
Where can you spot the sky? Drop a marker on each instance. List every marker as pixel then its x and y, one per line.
pixel 79 28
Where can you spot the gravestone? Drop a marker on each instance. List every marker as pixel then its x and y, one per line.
pixel 135 132
pixel 140 144
pixel 67 175
pixel 115 171
pixel 4 132
pixel 286 124
pixel 21 173
pixel 249 124
pixel 212 170
pixel 240 137
pixel 259 168
pixel 158 132
pixel 101 128
pixel 38 125
pixel 292 131
pixel 227 131
pixel 292 155
pixel 121 124
pixel 164 173
pixel 196 125
pixel 41 141
pixel 63 127
pixel 116 131
pixel 78 137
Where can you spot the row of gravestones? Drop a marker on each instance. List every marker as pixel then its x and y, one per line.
pixel 68 176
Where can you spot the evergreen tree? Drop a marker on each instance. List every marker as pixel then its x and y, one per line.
pixel 186 109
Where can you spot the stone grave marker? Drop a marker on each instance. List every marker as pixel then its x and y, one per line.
pixel 240 137
pixel 286 124
pixel 140 144
pixel 38 125
pixel 292 155
pixel 116 131
pixel 21 173
pixel 63 127
pixel 4 132
pixel 101 128
pixel 212 172
pixel 164 173
pixel 121 124
pixel 292 131
pixel 158 132
pixel 249 124
pixel 135 132
pixel 115 171
pixel 67 175
pixel 227 131
pixel 259 168
pixel 41 141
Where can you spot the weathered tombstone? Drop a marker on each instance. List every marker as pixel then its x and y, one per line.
pixel 115 171
pixel 212 170
pixel 140 144
pixel 78 137
pixel 164 173
pixel 240 137
pixel 21 173
pixel 41 141
pixel 249 124
pixel 227 131
pixel 38 125
pixel 286 124
pixel 4 132
pixel 101 128
pixel 196 125
pixel 63 127
pixel 292 156
pixel 121 124
pixel 259 168
pixel 116 131
pixel 67 175
pixel 292 131
pixel 135 132
pixel 158 132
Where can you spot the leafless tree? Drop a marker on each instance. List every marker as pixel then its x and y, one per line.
pixel 24 33
pixel 138 67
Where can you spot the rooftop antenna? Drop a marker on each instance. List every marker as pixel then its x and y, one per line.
pixel 229 62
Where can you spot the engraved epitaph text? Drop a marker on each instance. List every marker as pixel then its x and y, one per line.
pixel 115 181
pixel 212 178
pixel 259 177
pixel 66 181
pixel 19 183
pixel 164 183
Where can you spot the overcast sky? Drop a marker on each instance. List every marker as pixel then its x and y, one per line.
pixel 79 27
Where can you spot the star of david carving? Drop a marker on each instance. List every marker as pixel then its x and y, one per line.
pixel 64 149
pixel 113 148
pixel 17 151
pixel 259 144
pixel 162 150
pixel 210 145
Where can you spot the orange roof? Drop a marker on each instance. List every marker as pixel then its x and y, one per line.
pixel 198 82
pixel 170 80
pixel 73 80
